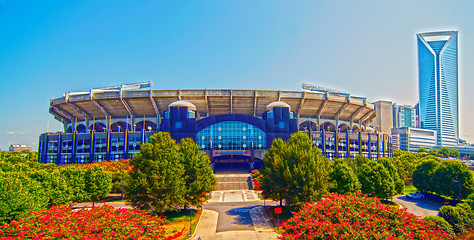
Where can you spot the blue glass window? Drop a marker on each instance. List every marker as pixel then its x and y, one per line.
pixel 231 135
pixel 178 124
pixel 191 114
pixel 167 114
pixel 281 124
pixel 269 114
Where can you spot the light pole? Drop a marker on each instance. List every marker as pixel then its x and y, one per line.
pixel 122 183
pixel 460 184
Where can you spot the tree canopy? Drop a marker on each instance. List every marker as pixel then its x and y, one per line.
pixel 343 179
pixel 166 175
pixel 294 170
pixel 98 183
pixel 198 173
pixel 156 181
pixel 376 180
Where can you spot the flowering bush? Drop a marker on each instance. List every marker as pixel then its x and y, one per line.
pixel 103 222
pixel 356 217
pixel 111 166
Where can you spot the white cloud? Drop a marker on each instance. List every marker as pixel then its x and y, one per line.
pixel 21 133
pixel 10 133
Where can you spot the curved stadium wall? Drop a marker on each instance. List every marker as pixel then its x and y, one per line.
pixel 229 125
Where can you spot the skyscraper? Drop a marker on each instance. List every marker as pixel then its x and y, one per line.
pixel 403 116
pixel 438 84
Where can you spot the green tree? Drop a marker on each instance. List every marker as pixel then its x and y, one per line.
pixel 376 180
pixel 458 217
pixel 444 151
pixel 399 184
pixel 75 179
pixel 450 171
pixel 294 170
pixel 422 150
pixel 361 160
pixel 19 194
pixel 424 173
pixel 98 183
pixel 397 153
pixel 454 153
pixel 272 180
pixel 156 181
pixel 343 179
pixel 405 163
pixel 435 152
pixel 117 182
pixel 198 174
pixel 54 185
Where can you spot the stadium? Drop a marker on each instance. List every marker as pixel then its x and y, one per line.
pixel 230 125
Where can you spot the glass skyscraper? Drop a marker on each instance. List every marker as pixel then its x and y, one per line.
pixel 438 85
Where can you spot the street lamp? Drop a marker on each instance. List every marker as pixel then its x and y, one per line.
pixel 122 183
pixel 460 184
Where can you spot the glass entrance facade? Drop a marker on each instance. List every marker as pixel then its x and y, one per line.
pixel 231 135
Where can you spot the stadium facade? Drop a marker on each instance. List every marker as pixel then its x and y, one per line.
pixel 229 125
pixel 438 85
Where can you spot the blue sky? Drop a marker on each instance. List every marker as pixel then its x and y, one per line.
pixel 367 48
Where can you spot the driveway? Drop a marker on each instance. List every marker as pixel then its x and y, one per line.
pixel 418 207
pixel 234 216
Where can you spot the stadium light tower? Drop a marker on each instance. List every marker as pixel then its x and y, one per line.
pixel 312 87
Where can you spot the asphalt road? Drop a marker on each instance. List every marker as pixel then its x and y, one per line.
pixel 234 216
pixel 418 207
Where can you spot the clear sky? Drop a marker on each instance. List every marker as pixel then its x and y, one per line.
pixel 366 48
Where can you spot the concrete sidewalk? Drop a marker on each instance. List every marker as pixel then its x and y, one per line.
pixel 263 229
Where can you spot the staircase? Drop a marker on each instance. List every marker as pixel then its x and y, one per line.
pixel 233 182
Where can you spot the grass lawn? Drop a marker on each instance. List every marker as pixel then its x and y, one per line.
pixel 179 221
pixel 409 189
pixel 179 216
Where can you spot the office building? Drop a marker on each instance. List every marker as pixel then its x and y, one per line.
pixel 383 121
pixel 438 85
pixel 19 148
pixel 411 139
pixel 403 116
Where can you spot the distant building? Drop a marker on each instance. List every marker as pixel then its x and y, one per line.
pixel 383 121
pixel 438 85
pixel 19 148
pixel 411 139
pixel 403 116
pixel 417 115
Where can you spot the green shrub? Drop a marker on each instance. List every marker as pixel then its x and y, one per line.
pixel 458 217
pixel 19 194
pixel 98 183
pixel 441 224
pixel 75 179
pixel 54 185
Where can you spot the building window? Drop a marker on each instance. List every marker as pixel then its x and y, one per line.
pixel 177 124
pixel 231 135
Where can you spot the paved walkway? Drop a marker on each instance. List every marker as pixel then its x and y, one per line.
pixel 234 196
pixel 262 228
pixel 418 207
